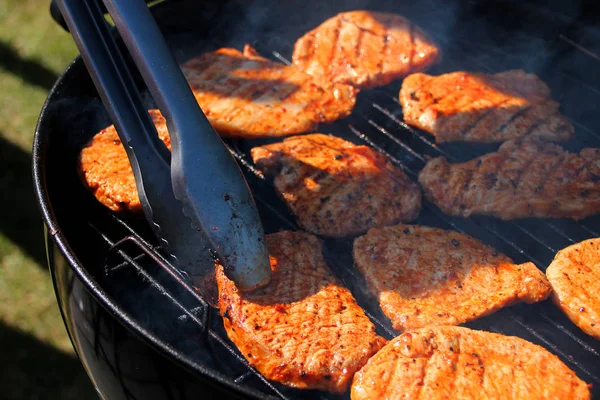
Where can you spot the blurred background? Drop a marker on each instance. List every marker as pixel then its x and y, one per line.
pixel 38 361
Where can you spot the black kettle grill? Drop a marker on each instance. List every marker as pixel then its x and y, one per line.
pixel 139 330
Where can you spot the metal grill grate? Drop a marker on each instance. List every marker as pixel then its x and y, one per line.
pixel 377 122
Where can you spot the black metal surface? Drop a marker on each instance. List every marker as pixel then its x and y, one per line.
pixel 480 40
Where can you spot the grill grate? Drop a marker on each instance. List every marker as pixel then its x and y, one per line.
pixel 377 122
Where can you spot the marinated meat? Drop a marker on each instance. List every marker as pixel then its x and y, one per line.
pixel 245 95
pixel 458 363
pixel 523 179
pixel 474 107
pixel 364 49
pixel 336 188
pixel 575 277
pixel 428 276
pixel 105 169
pixel 304 329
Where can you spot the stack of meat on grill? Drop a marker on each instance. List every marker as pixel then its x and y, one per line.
pixel 305 329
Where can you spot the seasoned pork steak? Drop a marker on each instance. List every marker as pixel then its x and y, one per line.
pixel 245 95
pixel 575 277
pixel 304 329
pixel 475 107
pixel 364 49
pixel 428 276
pixel 336 188
pixel 523 179
pixel 458 363
pixel 105 169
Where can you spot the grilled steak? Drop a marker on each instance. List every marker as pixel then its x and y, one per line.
pixel 245 95
pixel 458 363
pixel 105 169
pixel 428 276
pixel 526 178
pixel 474 107
pixel 304 329
pixel 336 188
pixel 364 49
pixel 575 277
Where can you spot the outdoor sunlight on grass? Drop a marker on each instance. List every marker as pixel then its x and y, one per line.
pixel 39 361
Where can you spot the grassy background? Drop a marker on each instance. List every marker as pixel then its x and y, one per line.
pixel 38 361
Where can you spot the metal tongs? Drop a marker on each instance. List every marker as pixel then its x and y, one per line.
pixel 195 198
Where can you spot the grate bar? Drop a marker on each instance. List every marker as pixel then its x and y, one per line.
pixel 579 47
pixel 162 290
pixel 243 377
pixel 563 329
pixel 397 141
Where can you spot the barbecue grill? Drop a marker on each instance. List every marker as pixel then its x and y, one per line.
pixel 140 329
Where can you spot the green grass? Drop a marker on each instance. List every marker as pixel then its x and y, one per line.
pixel 38 361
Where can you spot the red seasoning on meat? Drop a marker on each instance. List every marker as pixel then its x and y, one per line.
pixel 105 169
pixel 364 49
pixel 575 278
pixel 304 329
pixel 429 276
pixel 523 179
pixel 475 107
pixel 336 188
pixel 247 96
pixel 450 362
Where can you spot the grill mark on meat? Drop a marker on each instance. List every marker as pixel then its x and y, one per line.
pixel 423 378
pixel 384 50
pixel 522 171
pixel 462 195
pixel 336 44
pixel 486 114
pixel 529 109
pixel 361 34
pixel 534 126
pixel 257 95
pixel 557 173
pixel 592 274
pixel 583 291
pixel 512 119
pixel 513 374
pixel 546 106
pixel 497 170
pixel 555 167
pixel 313 49
pixel 454 366
pixel 411 33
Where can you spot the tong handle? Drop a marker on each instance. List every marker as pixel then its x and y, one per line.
pixel 205 176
